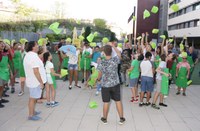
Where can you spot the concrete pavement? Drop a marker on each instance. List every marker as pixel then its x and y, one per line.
pixel 73 113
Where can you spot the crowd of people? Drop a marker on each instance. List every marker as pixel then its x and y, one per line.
pixel 104 67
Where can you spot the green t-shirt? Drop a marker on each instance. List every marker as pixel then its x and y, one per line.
pixel 135 72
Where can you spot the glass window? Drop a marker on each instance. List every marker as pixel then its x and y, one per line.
pixel 189 9
pixel 186 25
pixel 191 24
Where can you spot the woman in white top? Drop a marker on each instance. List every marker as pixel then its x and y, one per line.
pixel 50 85
pixel 72 67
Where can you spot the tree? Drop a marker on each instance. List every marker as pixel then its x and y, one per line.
pixel 59 8
pixel 100 23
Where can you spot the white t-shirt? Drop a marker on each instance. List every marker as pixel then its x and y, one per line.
pixel 162 65
pixel 48 67
pixel 88 50
pixel 73 59
pixel 32 60
pixel 114 53
pixel 146 68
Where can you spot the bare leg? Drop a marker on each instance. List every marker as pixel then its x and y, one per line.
pixel 105 109
pixel 119 108
pixel 53 92
pixel 76 77
pixel 1 91
pixel 71 72
pixel 155 97
pixel 161 98
pixel 184 89
pixel 133 92
pixel 148 96
pixel 48 92
pixel 31 106
pixel 141 96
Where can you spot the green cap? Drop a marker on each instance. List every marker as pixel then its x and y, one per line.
pixel 23 40
pixel 184 54
pixel 174 7
pixel 171 40
pixel 93 104
pixel 134 18
pixel 163 36
pixel 146 14
pixel 154 9
pixel 93 44
pixel 105 40
pixel 69 40
pixel 155 31
pixel 81 37
pixel 153 45
pixel 42 41
pixel 6 41
pixel 90 37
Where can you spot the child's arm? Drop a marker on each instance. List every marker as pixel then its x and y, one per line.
pixel 54 73
pixel 63 55
pixel 158 70
pixel 130 69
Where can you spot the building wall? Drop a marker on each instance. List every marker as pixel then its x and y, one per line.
pixel 146 25
pixel 186 21
pixel 186 24
pixel 163 15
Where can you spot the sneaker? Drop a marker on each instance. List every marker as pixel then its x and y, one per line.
pixel 122 120
pixel 83 80
pixel 147 103
pixel 162 104
pixel 53 104
pixel 48 105
pixel 70 87
pixel 1 105
pixel 165 96
pixel 134 100
pixel 34 118
pixel 78 86
pixel 20 93
pixel 178 93
pixel 104 120
pixel 37 113
pixel 5 95
pixel 97 93
pixel 184 94
pixel 12 90
pixel 141 104
pixel 4 101
pixel 155 106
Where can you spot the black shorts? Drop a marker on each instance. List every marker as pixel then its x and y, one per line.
pixel 111 93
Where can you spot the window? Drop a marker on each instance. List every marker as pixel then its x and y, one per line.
pixel 189 9
pixel 191 24
pixel 186 25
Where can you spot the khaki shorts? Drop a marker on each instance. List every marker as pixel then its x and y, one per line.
pixel 158 85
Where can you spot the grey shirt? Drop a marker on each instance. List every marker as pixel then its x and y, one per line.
pixel 109 70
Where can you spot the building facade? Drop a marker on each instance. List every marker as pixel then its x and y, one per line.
pixel 142 25
pixel 186 21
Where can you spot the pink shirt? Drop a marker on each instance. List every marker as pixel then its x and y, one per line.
pixel 183 64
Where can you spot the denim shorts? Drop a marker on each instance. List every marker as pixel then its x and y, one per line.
pixel 72 67
pixel 35 92
pixel 133 82
pixel 147 84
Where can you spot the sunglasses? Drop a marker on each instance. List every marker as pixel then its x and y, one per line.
pixel 184 58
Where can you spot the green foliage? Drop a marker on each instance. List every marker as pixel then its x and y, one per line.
pixel 100 23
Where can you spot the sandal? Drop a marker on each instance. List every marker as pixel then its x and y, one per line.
pixel 78 86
